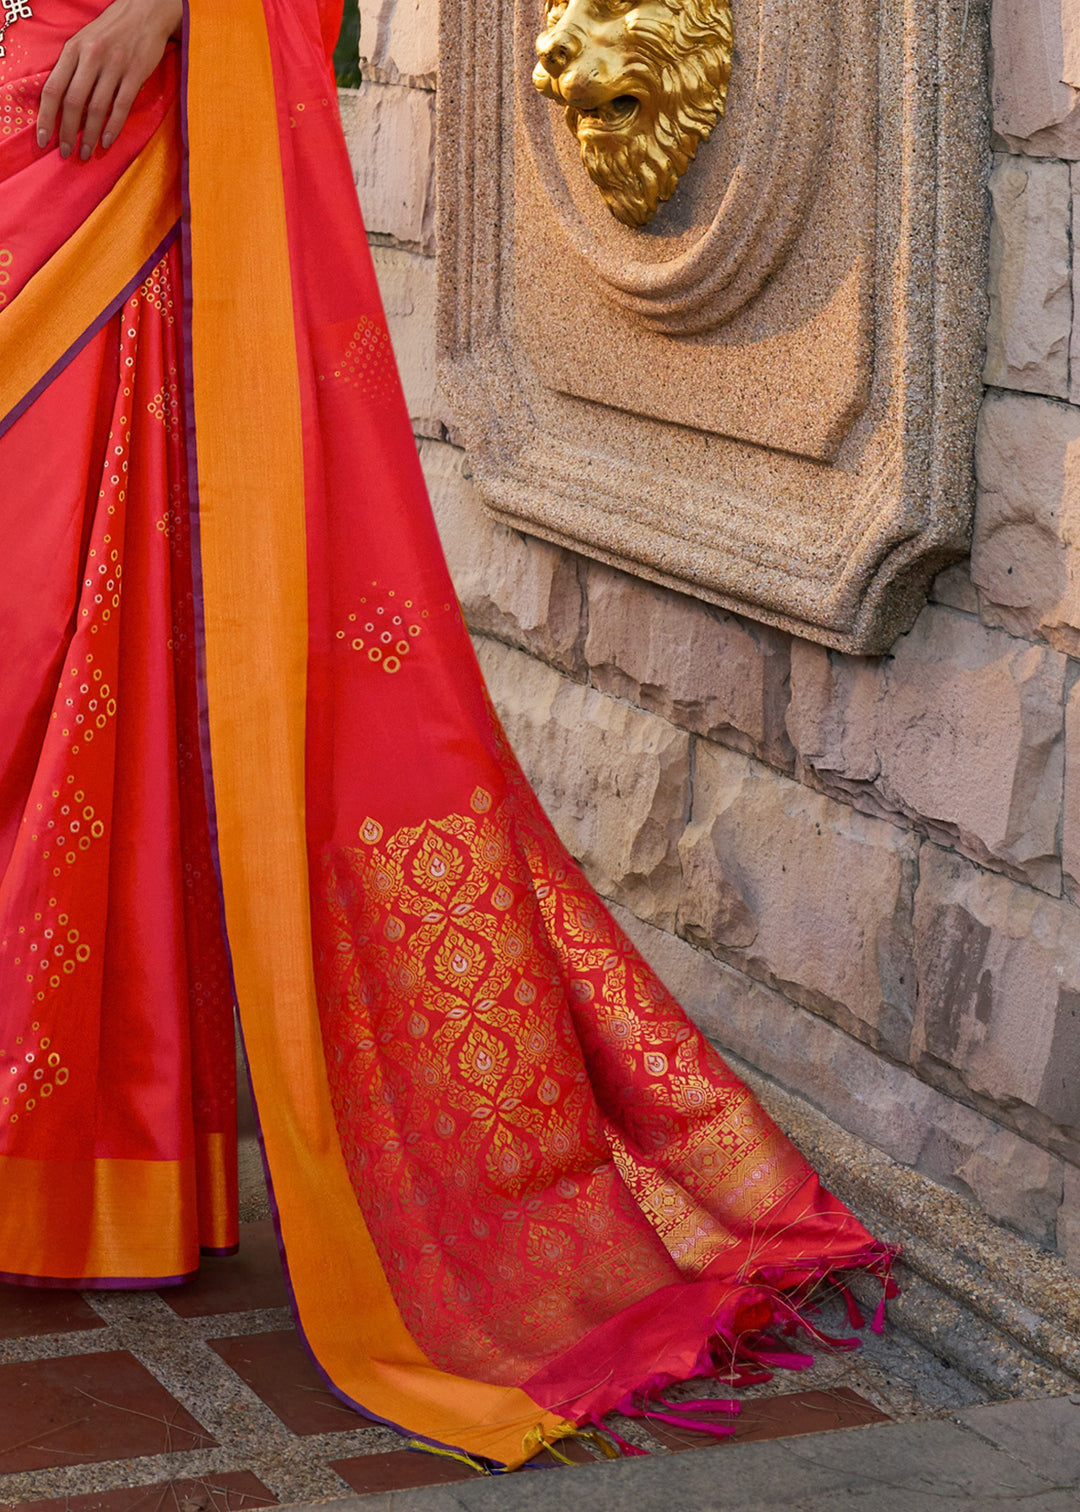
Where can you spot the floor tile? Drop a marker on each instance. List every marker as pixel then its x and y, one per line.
pixel 85 1408
pixel 400 1470
pixel 234 1491
pixel 28 1311
pixel 408 1469
pixel 779 1417
pixel 278 1369
pixel 241 1282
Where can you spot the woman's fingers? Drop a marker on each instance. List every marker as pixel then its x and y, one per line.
pixel 99 108
pixel 76 97
pixel 52 96
pixel 125 99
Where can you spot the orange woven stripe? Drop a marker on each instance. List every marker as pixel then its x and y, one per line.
pixel 98 1218
pixel 93 267
pixel 252 514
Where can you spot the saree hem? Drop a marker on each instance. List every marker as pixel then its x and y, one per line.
pixel 98 1283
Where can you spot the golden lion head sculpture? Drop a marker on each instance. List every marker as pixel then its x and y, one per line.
pixel 643 82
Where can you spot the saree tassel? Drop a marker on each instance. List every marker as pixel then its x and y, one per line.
pixel 564 1459
pixel 625 1448
pixel 454 1454
pixel 694 1424
pixel 536 1440
pixel 889 1290
pixel 855 1317
pixel 799 1321
pixel 780 1359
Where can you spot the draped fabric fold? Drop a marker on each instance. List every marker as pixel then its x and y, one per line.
pixel 513 1184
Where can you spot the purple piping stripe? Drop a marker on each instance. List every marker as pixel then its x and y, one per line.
pixel 8 420
pixel 97 1283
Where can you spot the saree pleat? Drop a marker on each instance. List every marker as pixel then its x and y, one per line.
pixel 513 1183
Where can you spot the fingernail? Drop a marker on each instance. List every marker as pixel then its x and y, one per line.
pixel 65 150
pixel 106 141
pixel 84 153
pixel 43 138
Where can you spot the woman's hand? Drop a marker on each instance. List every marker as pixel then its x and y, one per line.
pixel 101 70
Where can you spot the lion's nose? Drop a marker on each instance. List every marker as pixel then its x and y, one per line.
pixel 557 50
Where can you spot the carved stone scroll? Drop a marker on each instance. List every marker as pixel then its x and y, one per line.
pixel 766 395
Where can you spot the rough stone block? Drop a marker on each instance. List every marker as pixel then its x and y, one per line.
pixel 407 285
pixel 1011 1179
pixel 1027 339
pixel 399 41
pixel 1074 345
pixel 511 586
pixel 961 729
pixel 1068 1228
pixel 803 893
pixel 1036 76
pixel 614 781
pixel 390 132
pixel 1026 552
pixel 1070 826
pixel 697 666
pixel 999 996
pixel 833 715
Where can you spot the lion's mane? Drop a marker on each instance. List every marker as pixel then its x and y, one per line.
pixel 683 67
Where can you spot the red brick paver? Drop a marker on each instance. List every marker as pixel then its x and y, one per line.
pixel 82 1408
pixel 243 1282
pixel 29 1311
pixel 278 1369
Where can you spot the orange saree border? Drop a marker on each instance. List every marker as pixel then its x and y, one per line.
pixel 128 1236
pixel 251 503
pixel 93 269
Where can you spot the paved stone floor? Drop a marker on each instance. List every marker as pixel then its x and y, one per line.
pixel 201 1399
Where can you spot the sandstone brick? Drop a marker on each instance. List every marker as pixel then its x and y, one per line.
pixel 399 41
pixel 833 715
pixel 803 893
pixel 1074 345
pixel 1068 1227
pixel 1026 550
pixel 1036 88
pixel 961 729
pixel 614 781
pixel 407 285
pixel 1027 340
pixel 511 586
pixel 697 666
pixel 1011 1179
pixel 999 996
pixel 1070 828
pixel 390 132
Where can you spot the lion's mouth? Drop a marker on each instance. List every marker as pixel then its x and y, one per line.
pixel 609 116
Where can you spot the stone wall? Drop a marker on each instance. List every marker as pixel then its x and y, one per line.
pixel 862 875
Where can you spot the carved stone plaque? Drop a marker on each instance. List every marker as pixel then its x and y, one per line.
pixel 766 395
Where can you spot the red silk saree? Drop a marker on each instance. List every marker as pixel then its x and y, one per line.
pixel 513 1184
